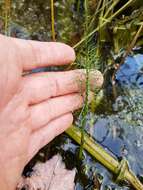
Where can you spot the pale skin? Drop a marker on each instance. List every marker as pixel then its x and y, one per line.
pixel 34 108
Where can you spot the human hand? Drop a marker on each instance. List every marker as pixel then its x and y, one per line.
pixel 34 108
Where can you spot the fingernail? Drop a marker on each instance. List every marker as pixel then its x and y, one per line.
pixel 71 53
pixel 96 79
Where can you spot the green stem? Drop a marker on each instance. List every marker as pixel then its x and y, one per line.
pixel 93 148
pixel 104 23
pixel 85 107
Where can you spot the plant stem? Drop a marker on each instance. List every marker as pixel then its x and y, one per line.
pixel 93 148
pixel 133 180
pixel 104 23
pixel 119 169
pixel 53 21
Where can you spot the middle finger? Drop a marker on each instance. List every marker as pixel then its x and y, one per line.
pixel 42 86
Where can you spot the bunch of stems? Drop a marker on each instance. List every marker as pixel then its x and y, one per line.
pixel 105 20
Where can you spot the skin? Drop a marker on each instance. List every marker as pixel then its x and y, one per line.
pixel 34 108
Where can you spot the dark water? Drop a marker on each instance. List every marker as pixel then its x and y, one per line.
pixel 119 129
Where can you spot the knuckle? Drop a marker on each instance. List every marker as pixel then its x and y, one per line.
pixel 55 86
pixel 50 109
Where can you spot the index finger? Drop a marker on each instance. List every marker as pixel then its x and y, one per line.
pixel 36 54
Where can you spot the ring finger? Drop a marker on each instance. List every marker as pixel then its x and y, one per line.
pixel 43 113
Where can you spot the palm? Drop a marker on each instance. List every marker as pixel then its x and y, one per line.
pixel 10 72
pixel 37 107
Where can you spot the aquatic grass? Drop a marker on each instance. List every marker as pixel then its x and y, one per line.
pixel 105 16
pixel 107 20
pixel 102 20
pixel 97 11
pixel 90 61
pixel 111 8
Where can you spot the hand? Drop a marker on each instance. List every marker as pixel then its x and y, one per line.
pixel 34 108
